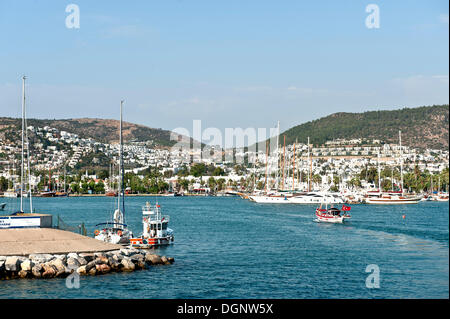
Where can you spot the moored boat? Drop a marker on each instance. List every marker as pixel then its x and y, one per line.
pixel 155 229
pixel 116 231
pixel 393 199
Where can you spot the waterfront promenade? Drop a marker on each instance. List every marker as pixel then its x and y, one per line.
pixel 26 241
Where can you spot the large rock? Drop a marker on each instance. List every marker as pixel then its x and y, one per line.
pixel 63 258
pixel 72 255
pixel 90 265
pixel 12 263
pixel 37 270
pixel 82 270
pixel 59 265
pixel 24 274
pixel 40 258
pixel 164 260
pixel 82 261
pixel 50 271
pixel 73 263
pixel 26 265
pixel 114 264
pixel 102 269
pixel 128 265
pixel 101 260
pixel 88 256
pixel 153 259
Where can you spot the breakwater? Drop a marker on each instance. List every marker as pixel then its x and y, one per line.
pixel 97 263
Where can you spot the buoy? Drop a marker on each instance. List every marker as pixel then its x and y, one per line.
pixel 403 216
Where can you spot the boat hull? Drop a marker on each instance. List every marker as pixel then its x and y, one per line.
pixel 381 201
pixel 270 199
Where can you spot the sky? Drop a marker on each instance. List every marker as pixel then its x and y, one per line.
pixel 227 63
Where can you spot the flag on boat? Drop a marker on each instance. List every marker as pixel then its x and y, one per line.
pixel 346 208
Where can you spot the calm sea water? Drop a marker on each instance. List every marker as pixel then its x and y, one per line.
pixel 233 248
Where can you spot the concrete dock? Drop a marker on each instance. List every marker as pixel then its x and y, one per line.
pixel 23 242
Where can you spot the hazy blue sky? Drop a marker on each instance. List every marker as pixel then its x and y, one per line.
pixel 228 63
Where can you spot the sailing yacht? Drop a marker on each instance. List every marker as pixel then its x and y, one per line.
pixel 116 231
pixel 386 198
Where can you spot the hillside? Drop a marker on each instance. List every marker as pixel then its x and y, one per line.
pixel 422 127
pixel 105 131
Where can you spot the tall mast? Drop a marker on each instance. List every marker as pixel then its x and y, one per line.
pixel 23 124
pixel 293 170
pixel 309 172
pixel 401 160
pixel 122 170
pixel 267 162
pixel 28 159
pixel 278 157
pixel 379 174
pixel 284 159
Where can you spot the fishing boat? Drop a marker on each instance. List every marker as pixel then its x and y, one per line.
pixel 116 231
pixel 155 228
pixel 332 214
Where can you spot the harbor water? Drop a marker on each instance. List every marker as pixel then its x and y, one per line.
pixel 227 247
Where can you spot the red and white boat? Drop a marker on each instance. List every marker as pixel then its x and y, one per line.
pixel 332 214
pixel 155 229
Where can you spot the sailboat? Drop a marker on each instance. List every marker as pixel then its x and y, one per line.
pixel 393 198
pixel 116 231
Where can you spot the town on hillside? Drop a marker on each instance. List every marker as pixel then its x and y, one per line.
pixel 61 161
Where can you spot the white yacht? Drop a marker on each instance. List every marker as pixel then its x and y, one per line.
pixel 316 198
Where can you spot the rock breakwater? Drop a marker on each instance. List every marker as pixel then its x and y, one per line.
pixel 60 266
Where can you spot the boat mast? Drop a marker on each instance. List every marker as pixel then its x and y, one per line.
pixel 23 124
pixel 284 160
pixel 309 170
pixel 28 160
pixel 267 162
pixel 122 171
pixel 379 173
pixel 401 160
pixel 293 170
pixel 278 157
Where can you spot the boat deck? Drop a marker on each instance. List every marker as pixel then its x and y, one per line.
pixel 22 242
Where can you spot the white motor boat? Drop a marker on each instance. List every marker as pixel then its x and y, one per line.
pixel 155 229
pixel 316 198
pixel 272 198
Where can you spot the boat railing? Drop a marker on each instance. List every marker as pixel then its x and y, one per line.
pixel 157 217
